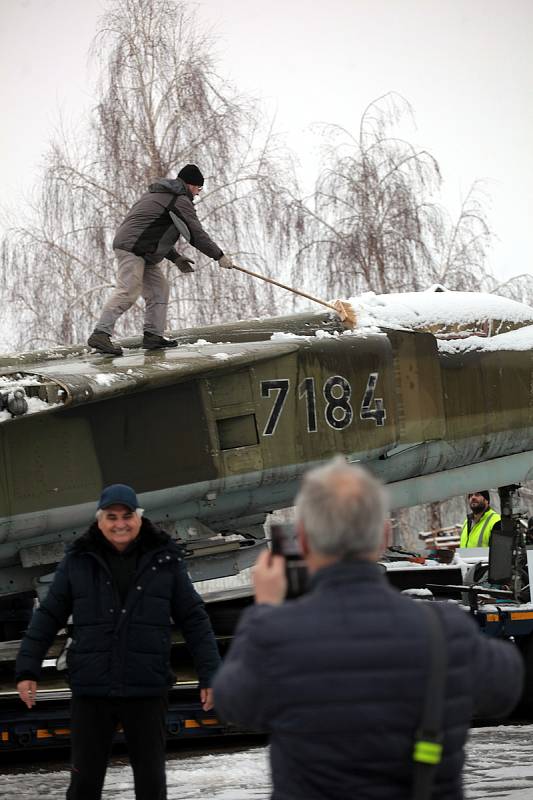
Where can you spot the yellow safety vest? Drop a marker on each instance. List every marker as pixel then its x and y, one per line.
pixel 479 534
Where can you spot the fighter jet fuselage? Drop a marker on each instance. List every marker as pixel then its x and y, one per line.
pixel 218 431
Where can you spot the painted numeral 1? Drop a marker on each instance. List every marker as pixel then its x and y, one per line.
pixel 307 391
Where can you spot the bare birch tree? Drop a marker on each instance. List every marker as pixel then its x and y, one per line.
pixel 161 104
pixel 373 222
pixel 462 257
pixel 519 288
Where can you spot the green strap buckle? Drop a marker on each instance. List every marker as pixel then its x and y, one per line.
pixel 427 752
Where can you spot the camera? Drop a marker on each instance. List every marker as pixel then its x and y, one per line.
pixel 284 543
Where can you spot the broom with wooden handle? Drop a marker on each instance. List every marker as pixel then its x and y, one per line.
pixel 344 309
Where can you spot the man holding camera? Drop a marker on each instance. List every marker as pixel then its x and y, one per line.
pixel 337 677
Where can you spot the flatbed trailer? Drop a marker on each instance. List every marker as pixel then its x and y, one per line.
pixel 47 725
pixel 507 622
pixel 500 615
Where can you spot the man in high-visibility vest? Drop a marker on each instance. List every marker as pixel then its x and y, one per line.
pixel 478 525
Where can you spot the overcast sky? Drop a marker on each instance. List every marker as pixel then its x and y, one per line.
pixel 466 67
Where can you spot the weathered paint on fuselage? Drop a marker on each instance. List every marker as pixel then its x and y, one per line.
pixel 218 432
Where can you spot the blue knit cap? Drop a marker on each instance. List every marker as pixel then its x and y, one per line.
pixel 118 494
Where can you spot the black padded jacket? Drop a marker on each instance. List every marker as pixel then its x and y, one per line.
pixel 121 649
pixel 337 678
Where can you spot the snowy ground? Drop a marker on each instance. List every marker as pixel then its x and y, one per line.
pixel 499 766
pixel 500 763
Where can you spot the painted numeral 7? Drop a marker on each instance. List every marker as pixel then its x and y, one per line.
pixel 282 386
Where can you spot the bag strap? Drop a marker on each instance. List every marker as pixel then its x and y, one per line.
pixel 427 752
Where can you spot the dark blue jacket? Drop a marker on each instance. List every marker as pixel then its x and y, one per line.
pixel 121 649
pixel 337 679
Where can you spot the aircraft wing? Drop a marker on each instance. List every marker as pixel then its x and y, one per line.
pixel 89 378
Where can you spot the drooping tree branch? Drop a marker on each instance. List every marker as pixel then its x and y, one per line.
pixel 373 222
pixel 160 104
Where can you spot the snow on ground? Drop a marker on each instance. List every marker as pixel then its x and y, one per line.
pixel 233 776
pixel 241 775
pixel 499 765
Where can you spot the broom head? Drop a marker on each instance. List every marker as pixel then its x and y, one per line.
pixel 346 313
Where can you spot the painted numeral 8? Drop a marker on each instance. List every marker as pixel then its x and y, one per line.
pixel 338 411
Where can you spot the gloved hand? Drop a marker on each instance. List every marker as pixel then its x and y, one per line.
pixel 225 262
pixel 184 264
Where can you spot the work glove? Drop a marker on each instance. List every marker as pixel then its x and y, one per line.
pixel 225 262
pixel 184 264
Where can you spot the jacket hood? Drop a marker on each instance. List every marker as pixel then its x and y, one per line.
pixel 172 185
pixel 150 538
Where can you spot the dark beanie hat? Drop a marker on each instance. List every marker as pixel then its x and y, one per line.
pixel 191 174
pixel 484 493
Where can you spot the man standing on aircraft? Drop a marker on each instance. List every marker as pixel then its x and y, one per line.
pixel 477 527
pixel 147 236
pixel 122 582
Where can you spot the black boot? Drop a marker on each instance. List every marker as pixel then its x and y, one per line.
pixel 152 341
pixel 102 342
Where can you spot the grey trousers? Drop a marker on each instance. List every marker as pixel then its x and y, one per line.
pixel 135 277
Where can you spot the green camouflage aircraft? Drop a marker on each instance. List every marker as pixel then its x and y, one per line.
pixel 217 432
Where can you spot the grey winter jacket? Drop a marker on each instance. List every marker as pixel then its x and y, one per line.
pixel 337 679
pixel 149 231
pixel 121 649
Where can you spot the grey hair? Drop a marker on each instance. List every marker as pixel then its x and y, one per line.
pixel 343 510
pixel 100 511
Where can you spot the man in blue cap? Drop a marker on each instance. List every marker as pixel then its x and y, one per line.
pixel 122 582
